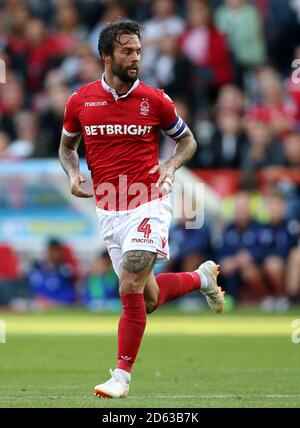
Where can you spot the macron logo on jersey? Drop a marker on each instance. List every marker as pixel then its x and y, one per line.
pixel 117 129
pixel 95 103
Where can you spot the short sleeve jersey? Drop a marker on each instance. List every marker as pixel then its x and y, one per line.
pixel 121 135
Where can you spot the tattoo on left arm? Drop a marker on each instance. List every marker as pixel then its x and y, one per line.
pixel 185 149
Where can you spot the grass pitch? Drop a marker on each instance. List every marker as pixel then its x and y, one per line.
pixel 240 359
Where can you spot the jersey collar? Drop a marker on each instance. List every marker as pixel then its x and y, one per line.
pixel 108 88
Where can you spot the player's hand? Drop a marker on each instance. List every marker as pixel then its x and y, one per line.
pixel 76 178
pixel 166 177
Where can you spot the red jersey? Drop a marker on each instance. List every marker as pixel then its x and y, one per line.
pixel 121 135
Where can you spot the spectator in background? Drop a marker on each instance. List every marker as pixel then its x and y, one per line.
pixel 291 147
pixel 207 49
pixel 225 147
pixel 5 141
pixel 164 22
pixel 241 253
pixel 4 35
pixel 26 127
pixel 10 274
pixel 173 71
pixel 229 142
pixel 221 141
pixel 293 276
pixel 46 50
pixel 42 49
pixel 249 184
pixel 102 285
pixel 43 9
pixel 190 247
pixel 68 29
pixel 52 281
pixel 273 104
pixel 141 9
pixel 90 10
pixel 289 180
pixel 262 150
pixel 282 33
pixel 230 100
pixel 51 121
pixel 12 100
pixel 113 12
pixel 241 23
pixel 16 41
pixel 277 238
pixel 89 71
pixel 81 67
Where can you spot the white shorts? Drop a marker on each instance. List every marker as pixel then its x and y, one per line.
pixel 143 228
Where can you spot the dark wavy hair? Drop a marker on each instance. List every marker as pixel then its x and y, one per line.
pixel 112 32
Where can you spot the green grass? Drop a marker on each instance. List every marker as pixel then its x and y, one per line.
pixel 241 359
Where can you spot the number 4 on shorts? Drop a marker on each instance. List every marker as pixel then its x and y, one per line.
pixel 145 228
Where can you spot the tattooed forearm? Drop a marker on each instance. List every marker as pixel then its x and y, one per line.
pixel 68 153
pixel 137 260
pixel 184 150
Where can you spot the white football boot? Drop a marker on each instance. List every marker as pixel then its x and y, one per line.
pixel 116 387
pixel 208 273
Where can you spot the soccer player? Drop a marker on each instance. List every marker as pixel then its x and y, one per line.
pixel 119 118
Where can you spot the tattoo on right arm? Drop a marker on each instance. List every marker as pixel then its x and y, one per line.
pixel 68 153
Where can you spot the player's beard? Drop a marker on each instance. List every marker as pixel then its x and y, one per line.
pixel 122 72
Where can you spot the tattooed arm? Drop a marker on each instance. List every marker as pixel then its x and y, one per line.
pixel 184 150
pixel 69 160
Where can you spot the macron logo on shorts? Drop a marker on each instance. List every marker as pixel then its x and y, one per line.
pixel 117 129
pixel 142 240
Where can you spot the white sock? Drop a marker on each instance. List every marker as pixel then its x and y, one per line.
pixel 123 374
pixel 203 279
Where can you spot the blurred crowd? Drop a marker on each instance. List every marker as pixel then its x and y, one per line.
pixel 229 66
pixel 57 279
pixel 259 259
pixel 257 250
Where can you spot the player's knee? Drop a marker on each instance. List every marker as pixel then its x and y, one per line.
pixel 135 270
pixel 130 285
